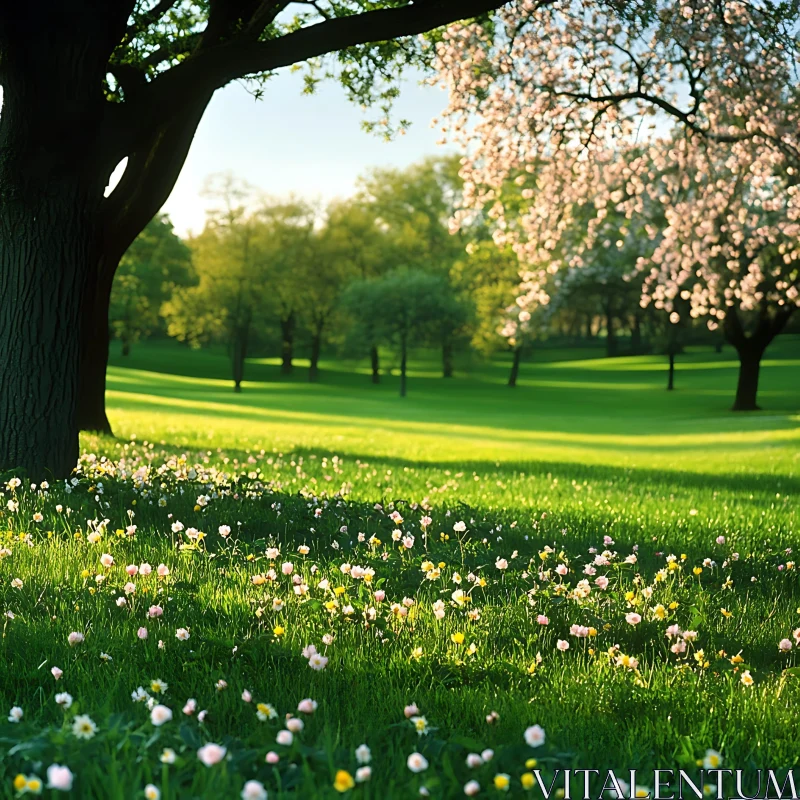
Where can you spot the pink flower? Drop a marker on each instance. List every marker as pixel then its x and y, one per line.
pixel 132 570
pixel 155 611
pixel 562 569
pixel 107 560
pixel 287 568
pixel 145 569
pixel 75 638
pixel 601 582
pixel 57 673
pixel 720 540
pixel 633 618
pixel 142 633
pixel 211 754
pixel 562 645
pixel 307 706
pixel 272 757
pixel 784 645
pixel 380 596
pixel 246 696
pixel 542 620
pixel 163 571
pixel 190 707
pixel 411 711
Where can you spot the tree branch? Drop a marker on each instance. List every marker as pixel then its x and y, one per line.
pixel 217 66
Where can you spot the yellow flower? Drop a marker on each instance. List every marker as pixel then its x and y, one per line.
pixel 737 659
pixel 457 638
pixel 673 605
pixel 747 678
pixel 279 630
pixel 725 613
pixel 344 781
pixel 339 591
pixel 426 566
pixel 659 612
pixel 697 570
pixel 20 782
pixel 502 782
pixel 531 763
pixel 34 785
pixel 527 780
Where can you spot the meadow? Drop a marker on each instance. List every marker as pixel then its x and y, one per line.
pixel 313 590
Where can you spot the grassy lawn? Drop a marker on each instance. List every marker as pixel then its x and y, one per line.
pixel 590 554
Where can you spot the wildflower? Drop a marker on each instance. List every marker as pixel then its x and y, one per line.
pixel 411 711
pixel 633 618
pixel 158 686
pixel 15 715
pixel 460 526
pixel 75 638
pixel 457 638
pixel 285 738
pixel 142 633
pixel 246 696
pixel 182 634
pixel 254 790
pixel 747 678
pixel 785 644
pixel 309 706
pixel 152 792
pixel 343 782
pixel 211 754
pixel 542 620
pixel 317 662
pixel 562 645
pixel 83 727
pixel 712 759
pixel 527 780
pixel 279 630
pixel 168 756
pixel 363 754
pixel 265 711
pixel 64 699
pixel 534 736
pixel 501 564
pixel 272 757
pixel 487 755
pixel 416 762
pixel 502 782
pixel 160 714
pixel 471 788
pixel 59 777
pixel 474 761
pixel 363 774
pixel 294 724
pixel 420 725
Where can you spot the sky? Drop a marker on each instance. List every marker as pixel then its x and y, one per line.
pixel 311 145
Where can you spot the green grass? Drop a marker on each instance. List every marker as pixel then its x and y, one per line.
pixel 584 448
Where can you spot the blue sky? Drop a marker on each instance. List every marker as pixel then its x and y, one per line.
pixel 312 145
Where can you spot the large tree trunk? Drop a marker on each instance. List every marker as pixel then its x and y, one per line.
pixel 316 346
pixel 375 363
pixel 447 358
pixel 512 378
pixel 51 190
pixel 287 344
pixel 95 338
pixel 589 332
pixel 403 361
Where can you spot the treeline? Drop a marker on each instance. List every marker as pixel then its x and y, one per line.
pixel 378 270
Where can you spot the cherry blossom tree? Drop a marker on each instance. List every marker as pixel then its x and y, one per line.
pixel 592 105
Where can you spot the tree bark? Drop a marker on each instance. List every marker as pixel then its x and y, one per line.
pixel 403 361
pixel 512 378
pixel 589 333
pixel 447 358
pixel 375 363
pixel 747 383
pixel 239 354
pixel 287 344
pixel 636 335
pixel 316 346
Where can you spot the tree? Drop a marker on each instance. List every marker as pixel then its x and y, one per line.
pixel 402 308
pixel 88 84
pixel 555 86
pixel 414 207
pixel 156 263
pixel 231 294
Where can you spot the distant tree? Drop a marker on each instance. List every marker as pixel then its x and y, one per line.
pixel 231 294
pixel 155 264
pixel 402 308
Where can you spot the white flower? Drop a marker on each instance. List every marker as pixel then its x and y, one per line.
pixel 534 735
pixel 460 527
pixel 712 760
pixel 15 715
pixel 160 714
pixel 363 774
pixel 417 762
pixel 75 638
pixel 152 792
pixel 317 661
pixel 254 790
pixel 83 727
pixel 182 634
pixel 59 777
pixel 363 754
pixel 64 699
pixel 285 738
pixel 211 754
